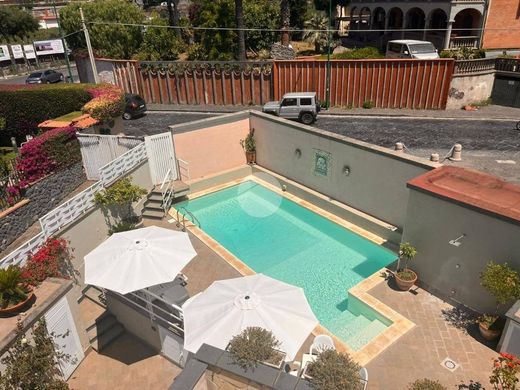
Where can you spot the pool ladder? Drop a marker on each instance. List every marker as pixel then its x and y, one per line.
pixel 182 221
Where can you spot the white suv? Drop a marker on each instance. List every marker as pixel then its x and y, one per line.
pixel 303 106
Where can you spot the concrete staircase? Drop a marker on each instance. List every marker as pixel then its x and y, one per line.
pixel 153 206
pixel 103 331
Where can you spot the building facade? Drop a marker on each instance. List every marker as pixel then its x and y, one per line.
pixel 448 24
pixel 502 28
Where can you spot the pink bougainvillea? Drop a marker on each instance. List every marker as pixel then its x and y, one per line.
pixel 107 102
pixel 48 152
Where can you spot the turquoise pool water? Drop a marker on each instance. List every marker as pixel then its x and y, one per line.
pixel 286 241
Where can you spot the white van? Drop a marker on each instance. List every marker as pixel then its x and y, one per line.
pixel 408 48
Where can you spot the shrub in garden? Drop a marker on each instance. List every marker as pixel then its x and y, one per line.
pixel 53 150
pixel 333 370
pixel 107 102
pixel 505 370
pixel 358 54
pixel 13 290
pixel 23 107
pixel 253 345
pixel 426 384
pixel 53 259
pixel 31 362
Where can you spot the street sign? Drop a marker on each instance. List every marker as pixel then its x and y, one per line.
pixel 54 46
pixel 17 51
pixel 4 53
pixel 29 51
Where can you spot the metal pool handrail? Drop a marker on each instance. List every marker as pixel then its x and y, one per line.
pixel 183 222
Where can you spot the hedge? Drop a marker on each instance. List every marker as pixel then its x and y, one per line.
pixel 22 108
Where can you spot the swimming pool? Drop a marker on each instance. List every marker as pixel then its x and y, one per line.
pixel 277 237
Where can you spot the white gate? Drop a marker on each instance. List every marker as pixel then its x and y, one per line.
pixel 161 157
pixel 60 324
pixel 99 150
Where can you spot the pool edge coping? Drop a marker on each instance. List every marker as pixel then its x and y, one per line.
pixel 400 324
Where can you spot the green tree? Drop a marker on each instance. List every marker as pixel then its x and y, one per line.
pixel 159 43
pixel 315 33
pixel 32 364
pixel 299 11
pixel 239 20
pixel 108 40
pixel 15 22
pixel 285 21
pixel 261 14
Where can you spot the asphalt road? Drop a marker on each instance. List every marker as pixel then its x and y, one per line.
pixel 21 79
pixel 488 145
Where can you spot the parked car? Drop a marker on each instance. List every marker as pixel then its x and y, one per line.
pixel 409 48
pixel 303 106
pixel 135 106
pixel 44 77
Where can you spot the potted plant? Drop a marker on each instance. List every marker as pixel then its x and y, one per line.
pixel 118 199
pixel 333 370
pixel 256 345
pixel 249 146
pixel 405 278
pixel 503 282
pixel 14 293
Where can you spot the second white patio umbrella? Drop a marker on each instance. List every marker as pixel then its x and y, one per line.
pixel 137 259
pixel 227 307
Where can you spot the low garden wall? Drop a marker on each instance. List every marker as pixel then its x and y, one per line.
pixel 470 88
pixel 43 197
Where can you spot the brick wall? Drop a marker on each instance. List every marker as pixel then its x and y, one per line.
pixel 505 16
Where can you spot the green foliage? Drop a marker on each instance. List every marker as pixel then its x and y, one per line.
pixel 159 43
pixel 317 21
pixel 299 11
pixel 505 372
pixel 249 143
pixel 38 35
pixel 333 370
pixel 222 45
pixel 368 104
pixel 407 252
pixel 33 364
pixel 356 54
pixel 108 40
pixel 464 53
pixel 40 103
pixel 196 52
pixel 15 22
pixel 426 384
pixel 253 345
pixel 12 290
pixel 501 281
pixel 122 192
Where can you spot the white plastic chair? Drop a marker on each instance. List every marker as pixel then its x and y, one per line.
pixel 363 375
pixel 321 343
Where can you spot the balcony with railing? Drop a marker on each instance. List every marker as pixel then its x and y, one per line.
pixel 471 42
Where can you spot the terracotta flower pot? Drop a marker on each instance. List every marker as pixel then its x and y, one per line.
pixel 251 157
pixel 18 307
pixel 487 333
pixel 405 284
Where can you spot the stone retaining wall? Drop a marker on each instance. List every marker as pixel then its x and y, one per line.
pixel 44 196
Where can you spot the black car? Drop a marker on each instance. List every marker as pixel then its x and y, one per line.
pixel 44 77
pixel 135 106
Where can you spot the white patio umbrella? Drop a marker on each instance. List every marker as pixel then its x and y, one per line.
pixel 137 259
pixel 227 307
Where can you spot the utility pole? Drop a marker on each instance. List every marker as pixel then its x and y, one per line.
pixel 63 41
pixel 89 47
pixel 327 87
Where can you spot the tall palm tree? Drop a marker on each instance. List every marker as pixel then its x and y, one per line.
pixel 239 18
pixel 173 14
pixel 315 31
pixel 285 14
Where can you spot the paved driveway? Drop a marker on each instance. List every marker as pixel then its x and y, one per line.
pixel 492 146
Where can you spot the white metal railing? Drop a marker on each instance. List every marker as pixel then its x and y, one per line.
pixel 19 255
pixel 70 210
pixel 184 170
pixel 115 168
pixel 154 311
pixel 73 208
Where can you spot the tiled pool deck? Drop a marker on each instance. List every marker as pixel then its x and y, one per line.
pixel 425 330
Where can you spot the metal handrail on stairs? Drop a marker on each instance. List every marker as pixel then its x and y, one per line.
pixel 183 221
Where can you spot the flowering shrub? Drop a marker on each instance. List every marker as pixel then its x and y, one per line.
pixel 505 370
pixel 53 150
pixel 53 259
pixel 107 102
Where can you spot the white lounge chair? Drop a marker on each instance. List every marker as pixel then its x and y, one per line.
pixel 321 343
pixel 363 375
